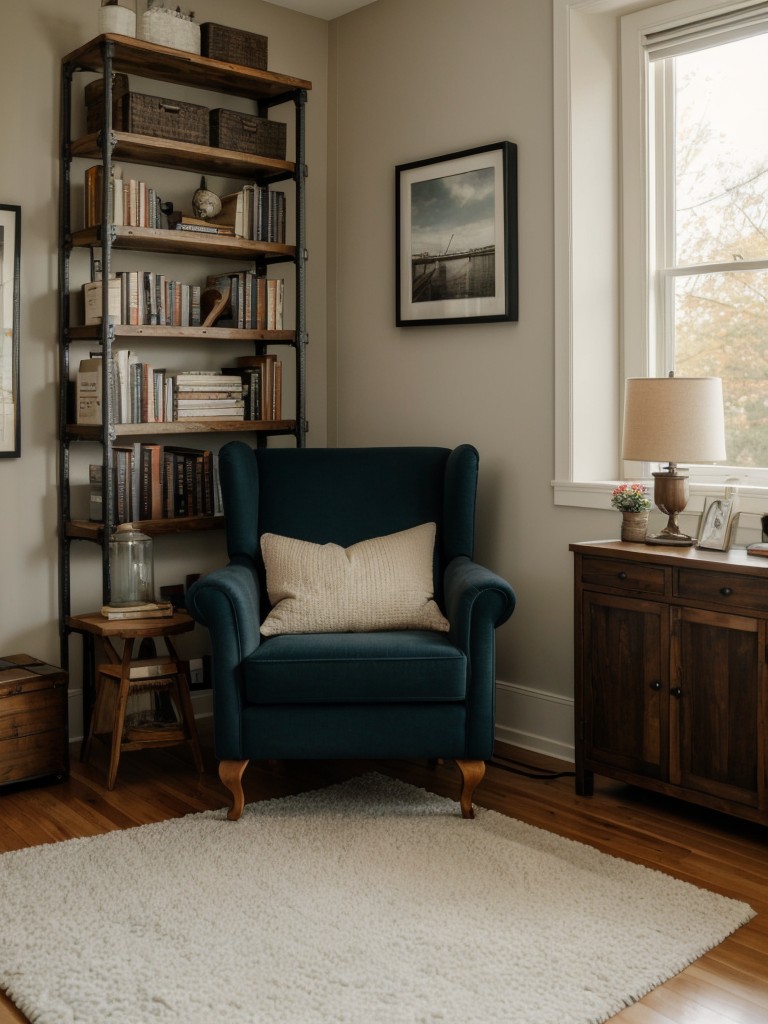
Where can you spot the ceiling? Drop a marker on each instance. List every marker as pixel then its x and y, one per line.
pixel 327 9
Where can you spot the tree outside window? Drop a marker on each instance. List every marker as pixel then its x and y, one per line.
pixel 713 244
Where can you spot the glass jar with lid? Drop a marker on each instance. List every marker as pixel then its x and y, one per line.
pixel 131 566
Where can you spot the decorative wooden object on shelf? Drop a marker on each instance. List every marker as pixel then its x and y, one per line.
pixel 671 676
pixel 33 719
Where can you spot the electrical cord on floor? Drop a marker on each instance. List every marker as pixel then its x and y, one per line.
pixel 527 770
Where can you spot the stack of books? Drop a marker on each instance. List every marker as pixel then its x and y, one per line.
pixel 207 394
pixel 178 221
pixel 149 610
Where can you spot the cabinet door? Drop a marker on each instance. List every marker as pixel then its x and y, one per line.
pixel 716 683
pixel 624 699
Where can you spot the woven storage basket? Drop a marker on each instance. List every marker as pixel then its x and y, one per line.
pixel 233 45
pixel 247 134
pixel 169 119
pixel 94 103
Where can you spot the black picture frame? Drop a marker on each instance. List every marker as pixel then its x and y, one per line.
pixel 456 238
pixel 10 301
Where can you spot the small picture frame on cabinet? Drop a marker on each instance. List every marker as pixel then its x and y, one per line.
pixel 717 523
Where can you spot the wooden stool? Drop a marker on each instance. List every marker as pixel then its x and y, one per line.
pixel 127 676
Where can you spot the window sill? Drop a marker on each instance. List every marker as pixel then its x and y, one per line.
pixel 753 502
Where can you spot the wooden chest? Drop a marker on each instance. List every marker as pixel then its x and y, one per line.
pixel 34 740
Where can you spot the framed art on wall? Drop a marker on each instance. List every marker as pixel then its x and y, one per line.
pixel 10 264
pixel 456 237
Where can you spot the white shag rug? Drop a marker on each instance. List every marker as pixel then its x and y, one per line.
pixel 369 902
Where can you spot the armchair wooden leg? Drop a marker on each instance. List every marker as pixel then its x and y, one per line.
pixel 231 774
pixel 472 773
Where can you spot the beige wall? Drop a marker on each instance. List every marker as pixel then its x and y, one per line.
pixel 417 80
pixel 396 81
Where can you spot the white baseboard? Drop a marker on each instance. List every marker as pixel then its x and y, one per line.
pixel 534 720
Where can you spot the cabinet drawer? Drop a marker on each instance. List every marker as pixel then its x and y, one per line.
pixel 723 589
pixel 611 572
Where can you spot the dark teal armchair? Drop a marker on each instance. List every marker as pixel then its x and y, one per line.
pixel 395 694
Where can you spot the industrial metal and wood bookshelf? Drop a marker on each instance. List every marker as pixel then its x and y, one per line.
pixel 105 56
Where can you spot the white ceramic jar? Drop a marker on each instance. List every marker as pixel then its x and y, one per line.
pixel 117 18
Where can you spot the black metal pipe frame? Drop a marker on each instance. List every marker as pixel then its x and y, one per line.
pixel 302 255
pixel 107 327
pixel 65 123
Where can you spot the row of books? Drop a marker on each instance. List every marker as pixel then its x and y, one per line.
pixel 144 297
pixel 250 300
pixel 141 393
pixel 131 202
pixel 254 212
pixel 154 481
pixel 237 298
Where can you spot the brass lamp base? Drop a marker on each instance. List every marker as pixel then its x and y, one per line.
pixel 670 492
pixel 671 540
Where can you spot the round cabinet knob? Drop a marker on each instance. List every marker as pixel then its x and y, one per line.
pixel 676 692
pixel 726 591
pixel 656 685
pixel 622 575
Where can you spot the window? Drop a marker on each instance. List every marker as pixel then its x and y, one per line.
pixel 696 96
pixel 646 279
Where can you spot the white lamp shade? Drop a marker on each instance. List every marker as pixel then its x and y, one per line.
pixel 674 419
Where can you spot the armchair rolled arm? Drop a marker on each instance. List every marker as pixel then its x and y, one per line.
pixel 476 602
pixel 226 601
pixel 474 597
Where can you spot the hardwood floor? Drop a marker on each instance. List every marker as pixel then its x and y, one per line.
pixel 727 986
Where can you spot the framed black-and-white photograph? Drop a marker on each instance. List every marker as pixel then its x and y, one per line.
pixel 10 263
pixel 456 237
pixel 717 524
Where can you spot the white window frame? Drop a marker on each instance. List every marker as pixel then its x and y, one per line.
pixel 601 192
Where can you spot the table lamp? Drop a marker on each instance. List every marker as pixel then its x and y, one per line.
pixel 673 420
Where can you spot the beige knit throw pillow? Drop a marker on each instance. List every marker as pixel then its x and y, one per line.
pixel 378 584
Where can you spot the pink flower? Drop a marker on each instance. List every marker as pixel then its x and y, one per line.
pixel 630 497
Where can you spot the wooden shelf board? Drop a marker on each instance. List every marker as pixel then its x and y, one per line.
pixel 92 332
pixel 87 432
pixel 84 529
pixel 149 60
pixel 146 149
pixel 185 243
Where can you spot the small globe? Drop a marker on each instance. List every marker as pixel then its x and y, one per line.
pixel 205 204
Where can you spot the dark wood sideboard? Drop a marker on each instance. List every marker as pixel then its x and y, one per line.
pixel 670 672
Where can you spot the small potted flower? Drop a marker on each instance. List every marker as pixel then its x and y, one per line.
pixel 634 504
